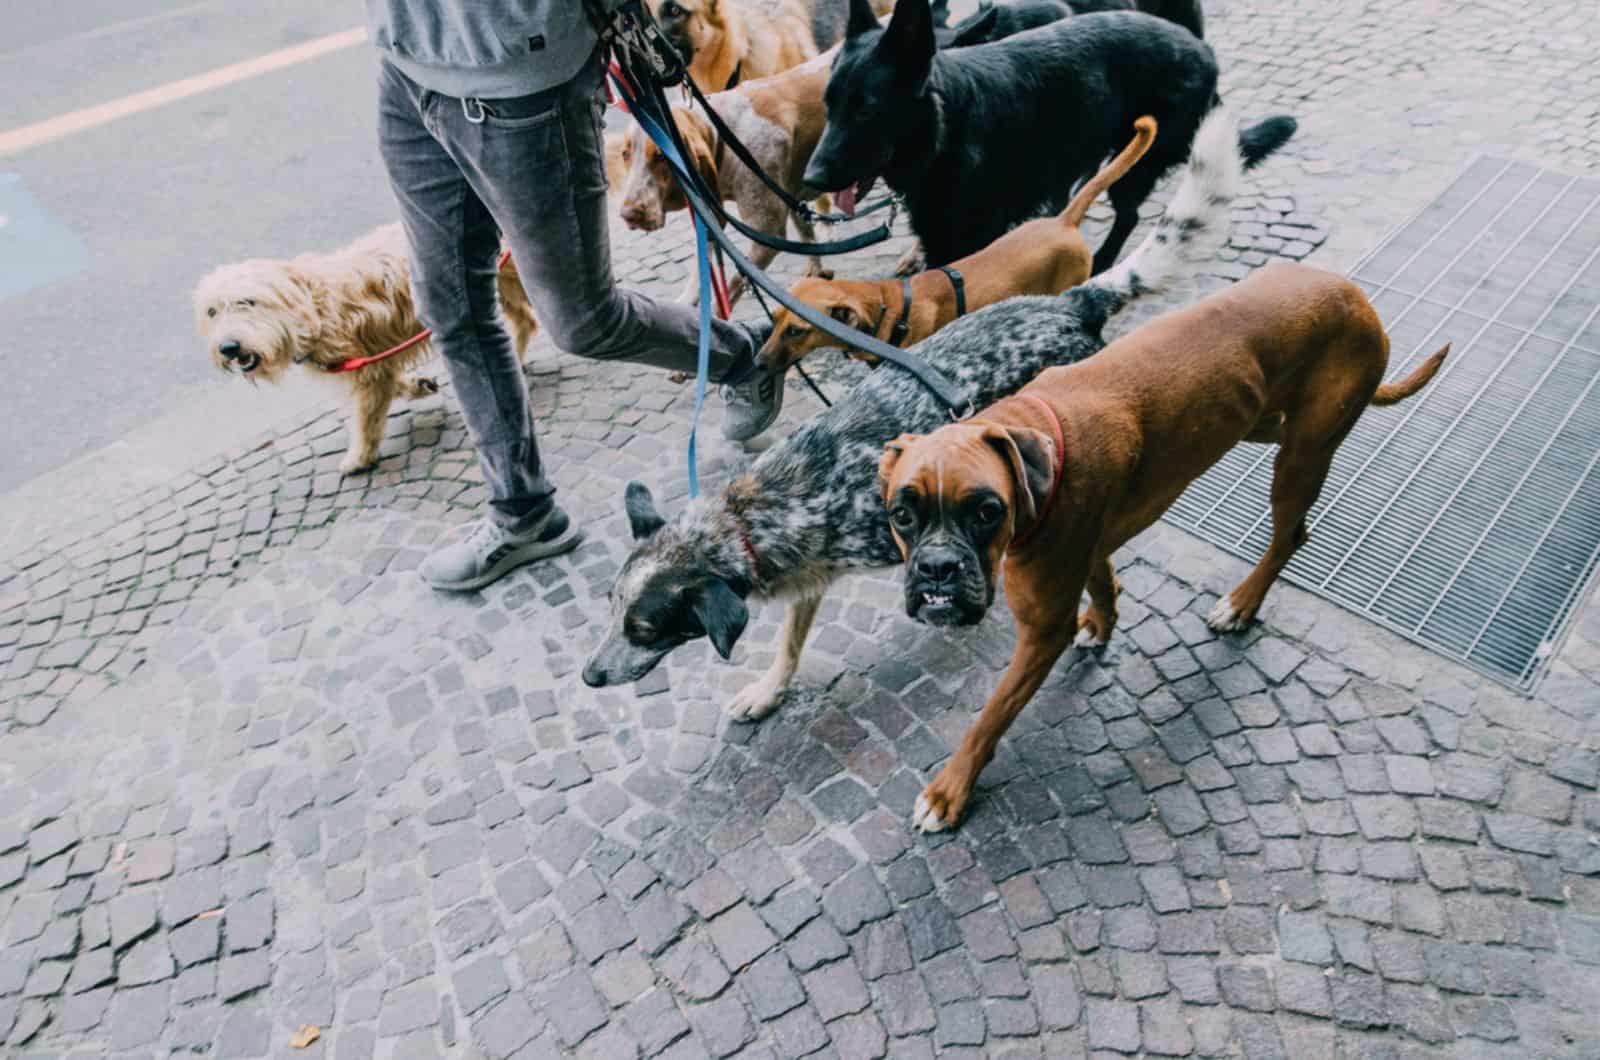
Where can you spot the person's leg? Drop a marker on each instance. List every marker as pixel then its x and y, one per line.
pixel 538 163
pixel 454 244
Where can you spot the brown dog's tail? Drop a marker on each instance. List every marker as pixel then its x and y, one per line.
pixel 1144 134
pixel 1390 393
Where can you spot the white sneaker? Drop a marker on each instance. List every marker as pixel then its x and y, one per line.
pixel 490 552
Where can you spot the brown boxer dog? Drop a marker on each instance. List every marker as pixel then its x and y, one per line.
pixel 1054 479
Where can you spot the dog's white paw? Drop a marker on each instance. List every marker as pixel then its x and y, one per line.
pixel 755 701
pixel 1087 639
pixel 925 819
pixel 1225 618
pixel 355 463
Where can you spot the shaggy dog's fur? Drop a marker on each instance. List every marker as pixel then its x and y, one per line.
pixel 264 316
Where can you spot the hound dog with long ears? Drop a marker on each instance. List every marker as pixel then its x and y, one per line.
pixel 264 316
pixel 1043 108
pixel 778 118
pixel 808 510
pixel 1049 482
pixel 728 42
pixel 1044 256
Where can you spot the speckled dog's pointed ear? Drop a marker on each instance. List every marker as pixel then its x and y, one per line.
pixel 643 519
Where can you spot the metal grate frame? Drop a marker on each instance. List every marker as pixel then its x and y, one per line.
pixel 1468 518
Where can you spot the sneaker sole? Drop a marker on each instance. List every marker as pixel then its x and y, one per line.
pixel 512 560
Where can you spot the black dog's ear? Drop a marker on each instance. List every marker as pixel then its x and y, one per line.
pixel 908 42
pixel 975 29
pixel 643 519
pixel 722 613
pixel 862 18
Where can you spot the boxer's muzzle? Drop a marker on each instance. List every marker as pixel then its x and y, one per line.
pixel 947 583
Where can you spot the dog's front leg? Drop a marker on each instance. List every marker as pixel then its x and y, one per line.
pixel 809 232
pixel 371 411
pixel 760 698
pixel 1045 628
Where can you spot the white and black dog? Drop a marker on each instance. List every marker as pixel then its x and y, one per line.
pixel 809 509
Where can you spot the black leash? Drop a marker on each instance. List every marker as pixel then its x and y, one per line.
pixel 959 282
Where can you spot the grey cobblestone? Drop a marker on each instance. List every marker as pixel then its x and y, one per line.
pixel 228 799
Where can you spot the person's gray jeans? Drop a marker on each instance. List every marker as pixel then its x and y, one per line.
pixel 466 172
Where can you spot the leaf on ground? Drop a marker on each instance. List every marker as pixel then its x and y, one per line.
pixel 304 1037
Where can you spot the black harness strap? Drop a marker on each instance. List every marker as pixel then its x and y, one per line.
pixel 902 324
pixel 960 284
pixel 733 78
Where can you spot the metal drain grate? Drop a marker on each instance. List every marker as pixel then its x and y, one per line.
pixel 1468 518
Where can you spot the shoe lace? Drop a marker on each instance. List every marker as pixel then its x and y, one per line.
pixel 485 536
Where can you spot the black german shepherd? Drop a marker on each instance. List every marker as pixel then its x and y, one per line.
pixel 980 139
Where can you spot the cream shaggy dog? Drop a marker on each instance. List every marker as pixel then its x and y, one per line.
pixel 320 310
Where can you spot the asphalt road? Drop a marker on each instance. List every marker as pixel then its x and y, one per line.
pixel 104 231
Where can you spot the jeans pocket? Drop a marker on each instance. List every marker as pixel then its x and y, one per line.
pixel 528 121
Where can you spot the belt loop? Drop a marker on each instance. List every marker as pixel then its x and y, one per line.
pixel 473 109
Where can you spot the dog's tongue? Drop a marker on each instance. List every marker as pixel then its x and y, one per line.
pixel 845 199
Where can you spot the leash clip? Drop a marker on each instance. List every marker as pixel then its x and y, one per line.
pixel 473 109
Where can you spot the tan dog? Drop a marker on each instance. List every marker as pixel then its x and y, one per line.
pixel 729 42
pixel 1053 480
pixel 1044 256
pixel 320 310
pixel 778 118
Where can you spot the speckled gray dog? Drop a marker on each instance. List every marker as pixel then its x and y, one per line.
pixel 808 510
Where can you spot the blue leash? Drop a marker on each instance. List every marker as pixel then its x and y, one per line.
pixel 702 371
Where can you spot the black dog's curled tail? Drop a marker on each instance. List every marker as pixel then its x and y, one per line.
pixel 1258 142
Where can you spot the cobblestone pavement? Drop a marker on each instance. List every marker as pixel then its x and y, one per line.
pixel 253 777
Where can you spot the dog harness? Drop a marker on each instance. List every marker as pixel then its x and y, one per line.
pixel 1055 481
pixel 960 284
pixel 357 363
pixel 902 323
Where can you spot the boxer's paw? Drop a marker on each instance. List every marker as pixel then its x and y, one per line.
pixel 756 700
pixel 1094 628
pixel 1229 617
pixel 941 803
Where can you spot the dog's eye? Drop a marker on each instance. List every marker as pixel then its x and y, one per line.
pixel 991 512
pixel 642 632
pixel 671 10
pixel 903 518
pixel 211 312
pixel 793 331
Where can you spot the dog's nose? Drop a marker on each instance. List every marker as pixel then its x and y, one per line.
pixel 593 676
pixel 230 349
pixel 938 567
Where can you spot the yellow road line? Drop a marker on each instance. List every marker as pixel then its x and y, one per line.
pixel 63 125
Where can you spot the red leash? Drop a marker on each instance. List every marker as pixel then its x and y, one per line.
pixel 424 335
pixel 1055 483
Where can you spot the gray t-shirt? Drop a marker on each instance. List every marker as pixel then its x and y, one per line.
pixel 485 49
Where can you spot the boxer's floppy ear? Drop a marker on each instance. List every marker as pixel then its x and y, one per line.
pixel 643 519
pixel 1032 460
pixel 890 457
pixel 722 613
pixel 861 18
